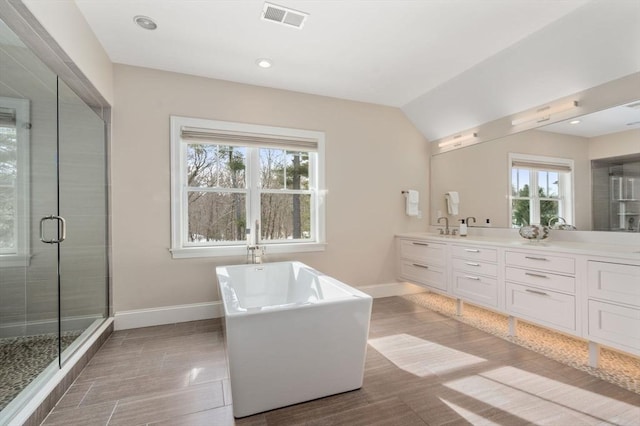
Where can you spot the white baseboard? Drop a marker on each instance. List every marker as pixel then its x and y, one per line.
pixel 125 320
pixel 391 289
pixel 167 315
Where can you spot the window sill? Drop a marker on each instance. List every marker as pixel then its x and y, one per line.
pixel 193 252
pixel 14 260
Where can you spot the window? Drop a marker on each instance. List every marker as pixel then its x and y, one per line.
pixel 14 182
pixel 541 190
pixel 235 183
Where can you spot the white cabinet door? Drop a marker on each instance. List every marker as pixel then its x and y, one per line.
pixel 419 273
pixel 542 306
pixel 422 251
pixel 475 267
pixel 475 253
pixel 542 279
pixel 543 262
pixel 615 282
pixel 476 288
pixel 618 326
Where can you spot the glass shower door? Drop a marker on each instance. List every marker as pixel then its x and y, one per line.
pixel 82 201
pixel 53 223
pixel 28 192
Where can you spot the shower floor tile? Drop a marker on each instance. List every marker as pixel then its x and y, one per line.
pixel 23 358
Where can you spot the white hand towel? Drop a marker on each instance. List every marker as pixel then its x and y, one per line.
pixel 413 197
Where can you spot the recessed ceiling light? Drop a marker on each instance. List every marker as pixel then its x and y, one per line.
pixel 574 122
pixel 264 63
pixel 145 22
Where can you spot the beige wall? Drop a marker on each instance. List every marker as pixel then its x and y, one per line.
pixel 65 23
pixel 372 154
pixel 615 144
pixel 480 174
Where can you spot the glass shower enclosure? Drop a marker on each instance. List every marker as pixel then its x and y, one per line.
pixel 616 193
pixel 53 222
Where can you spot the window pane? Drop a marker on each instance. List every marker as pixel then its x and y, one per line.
pixel 520 213
pixel 8 155
pixel 520 182
pixel 285 216
pixel 282 169
pixel 548 210
pixel 7 218
pixel 8 176
pixel 217 217
pixel 548 184
pixel 216 166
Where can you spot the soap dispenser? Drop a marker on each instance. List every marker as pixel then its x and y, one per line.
pixel 463 228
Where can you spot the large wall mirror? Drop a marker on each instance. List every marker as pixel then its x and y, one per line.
pixel 603 147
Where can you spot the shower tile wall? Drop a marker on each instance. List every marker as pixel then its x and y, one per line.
pixel 83 204
pixel 29 294
pixel 600 197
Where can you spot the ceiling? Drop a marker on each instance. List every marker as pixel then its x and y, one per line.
pixel 612 120
pixel 416 55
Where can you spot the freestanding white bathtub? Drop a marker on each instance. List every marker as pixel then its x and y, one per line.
pixel 292 334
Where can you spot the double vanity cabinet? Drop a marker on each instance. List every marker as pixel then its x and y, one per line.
pixel 585 290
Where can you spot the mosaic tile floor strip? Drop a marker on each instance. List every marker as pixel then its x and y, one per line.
pixel 615 367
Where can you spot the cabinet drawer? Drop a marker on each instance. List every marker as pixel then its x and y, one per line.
pixel 614 282
pixel 475 253
pixel 544 307
pixel 541 279
pixel 474 267
pixel 615 325
pixel 476 288
pixel 433 253
pixel 432 276
pixel 563 265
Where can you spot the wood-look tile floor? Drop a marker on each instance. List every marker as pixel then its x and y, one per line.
pixel 422 368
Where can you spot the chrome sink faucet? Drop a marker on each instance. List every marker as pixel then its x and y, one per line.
pixel 469 220
pixel 446 225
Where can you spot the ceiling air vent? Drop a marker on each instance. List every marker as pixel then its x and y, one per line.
pixel 282 15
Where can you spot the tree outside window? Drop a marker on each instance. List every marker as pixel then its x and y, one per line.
pixel 224 190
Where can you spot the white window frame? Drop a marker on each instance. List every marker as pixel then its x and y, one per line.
pixel 21 255
pixel 566 196
pixel 180 248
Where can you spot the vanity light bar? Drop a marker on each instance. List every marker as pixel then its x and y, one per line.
pixel 544 113
pixel 458 140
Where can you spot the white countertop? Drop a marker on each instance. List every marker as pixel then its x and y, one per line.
pixel 618 251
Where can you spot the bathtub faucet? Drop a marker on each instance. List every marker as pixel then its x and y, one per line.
pixel 254 254
pixel 254 251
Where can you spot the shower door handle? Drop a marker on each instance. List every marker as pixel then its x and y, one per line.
pixel 62 228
